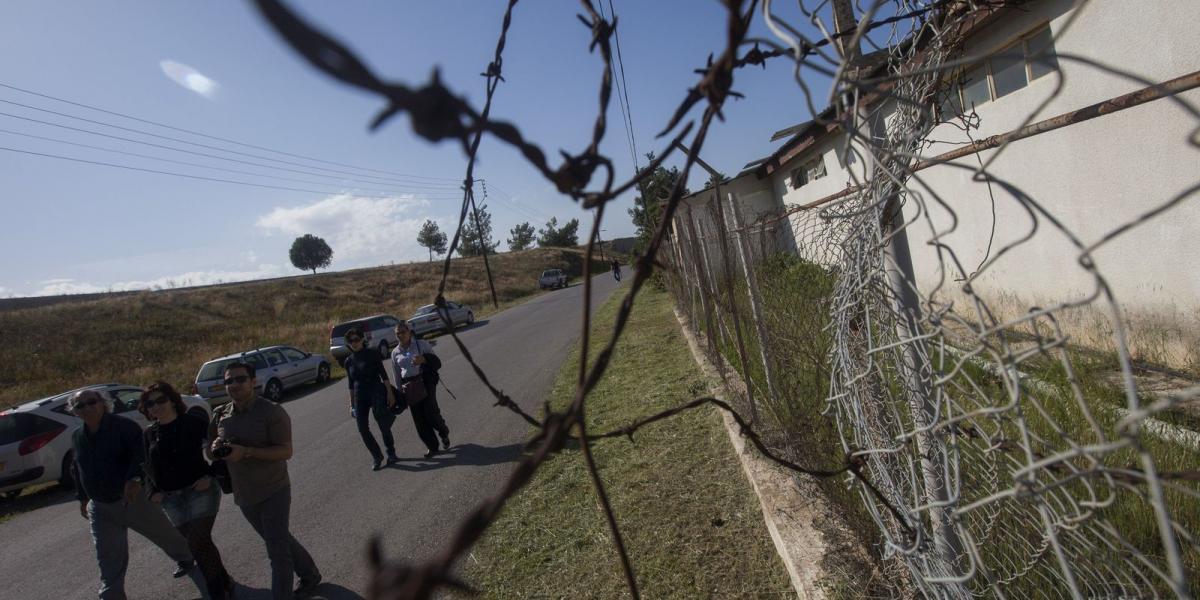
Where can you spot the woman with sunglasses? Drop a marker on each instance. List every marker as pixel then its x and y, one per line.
pixel 370 392
pixel 181 480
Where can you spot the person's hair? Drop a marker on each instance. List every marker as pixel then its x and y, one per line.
pixel 249 368
pixel 168 392
pixel 79 396
pixel 402 324
pixel 353 331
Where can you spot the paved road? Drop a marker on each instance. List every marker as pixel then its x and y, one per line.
pixel 338 502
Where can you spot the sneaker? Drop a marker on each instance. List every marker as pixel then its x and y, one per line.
pixel 393 459
pixel 446 441
pixel 183 567
pixel 307 588
pixel 431 454
pixel 377 464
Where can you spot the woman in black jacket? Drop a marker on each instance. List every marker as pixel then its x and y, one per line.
pixel 181 480
pixel 370 391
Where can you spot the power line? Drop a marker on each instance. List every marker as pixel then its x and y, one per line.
pixel 204 154
pixel 623 90
pixel 213 137
pixel 189 164
pixel 200 177
pixel 210 147
pixel 524 208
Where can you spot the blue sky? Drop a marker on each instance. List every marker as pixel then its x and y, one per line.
pixel 72 227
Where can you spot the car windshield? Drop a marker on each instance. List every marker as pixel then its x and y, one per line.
pixel 214 369
pixel 551 273
pixel 340 330
pixel 428 309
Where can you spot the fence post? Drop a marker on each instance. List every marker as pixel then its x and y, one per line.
pixel 683 269
pixel 711 282
pixel 702 282
pixel 733 306
pixel 756 310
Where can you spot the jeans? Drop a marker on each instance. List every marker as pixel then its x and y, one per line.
pixel 288 558
pixel 111 522
pixel 193 514
pixel 375 402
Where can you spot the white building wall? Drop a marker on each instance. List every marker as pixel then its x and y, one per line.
pixel 816 238
pixel 1092 177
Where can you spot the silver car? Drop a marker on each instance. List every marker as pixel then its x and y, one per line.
pixel 35 437
pixel 427 318
pixel 276 368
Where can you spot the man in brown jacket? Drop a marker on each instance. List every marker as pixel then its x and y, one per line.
pixel 254 436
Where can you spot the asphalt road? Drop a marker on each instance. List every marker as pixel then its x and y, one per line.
pixel 338 503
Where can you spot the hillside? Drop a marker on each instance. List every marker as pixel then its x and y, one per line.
pixel 168 334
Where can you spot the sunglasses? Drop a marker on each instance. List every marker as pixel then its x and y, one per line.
pixel 84 403
pixel 161 400
pixel 237 379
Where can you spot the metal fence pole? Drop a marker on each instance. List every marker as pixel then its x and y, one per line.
pixel 756 310
pixel 733 305
pixel 701 282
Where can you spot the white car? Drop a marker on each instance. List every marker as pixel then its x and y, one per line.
pixel 35 437
pixel 428 318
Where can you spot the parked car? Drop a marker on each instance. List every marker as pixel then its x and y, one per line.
pixel 276 368
pixel 35 437
pixel 553 279
pixel 427 318
pixel 378 331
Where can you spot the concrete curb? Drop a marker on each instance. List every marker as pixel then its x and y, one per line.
pixel 790 505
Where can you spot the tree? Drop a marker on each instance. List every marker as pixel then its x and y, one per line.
pixel 553 236
pixel 471 242
pixel 647 206
pixel 521 237
pixel 310 253
pixel 432 238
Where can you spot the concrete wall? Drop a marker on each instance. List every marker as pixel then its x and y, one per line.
pixel 1091 177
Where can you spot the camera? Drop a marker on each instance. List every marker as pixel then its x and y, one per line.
pixel 222 450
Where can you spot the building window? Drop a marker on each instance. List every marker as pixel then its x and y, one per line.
pixel 1008 71
pixel 809 171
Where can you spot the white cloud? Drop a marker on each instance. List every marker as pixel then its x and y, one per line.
pixel 54 281
pixel 190 78
pixel 191 278
pixel 361 231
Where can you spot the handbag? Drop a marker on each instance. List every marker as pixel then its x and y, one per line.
pixel 220 472
pixel 414 391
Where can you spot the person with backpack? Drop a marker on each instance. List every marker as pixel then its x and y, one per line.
pixel 416 368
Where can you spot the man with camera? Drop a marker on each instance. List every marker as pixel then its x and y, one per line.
pixel 109 454
pixel 254 437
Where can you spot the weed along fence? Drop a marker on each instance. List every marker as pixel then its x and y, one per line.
pixel 973 397
pixel 933 333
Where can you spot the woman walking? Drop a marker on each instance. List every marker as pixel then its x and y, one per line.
pixel 416 364
pixel 370 392
pixel 181 480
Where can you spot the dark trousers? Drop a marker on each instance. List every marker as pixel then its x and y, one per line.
pixel 199 537
pixel 427 418
pixel 364 407
pixel 288 558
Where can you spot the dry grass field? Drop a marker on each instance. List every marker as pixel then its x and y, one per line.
pixel 168 334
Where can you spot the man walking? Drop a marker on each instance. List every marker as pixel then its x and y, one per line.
pixel 109 454
pixel 254 436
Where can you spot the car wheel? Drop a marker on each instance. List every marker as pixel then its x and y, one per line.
pixel 64 477
pixel 323 373
pixel 470 318
pixel 273 391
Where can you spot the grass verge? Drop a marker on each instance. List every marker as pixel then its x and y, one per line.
pixel 692 525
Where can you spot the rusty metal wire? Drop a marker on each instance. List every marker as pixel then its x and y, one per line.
pixel 980 482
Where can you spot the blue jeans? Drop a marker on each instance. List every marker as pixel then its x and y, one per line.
pixel 288 558
pixel 111 522
pixel 187 504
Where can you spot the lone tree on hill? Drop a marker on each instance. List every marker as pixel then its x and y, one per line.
pixel 432 237
pixel 553 236
pixel 522 237
pixel 310 253
pixel 475 239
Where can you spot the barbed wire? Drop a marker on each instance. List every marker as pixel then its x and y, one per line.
pixel 979 482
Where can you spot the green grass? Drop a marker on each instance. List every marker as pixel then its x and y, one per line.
pixel 692 525
pixel 168 334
